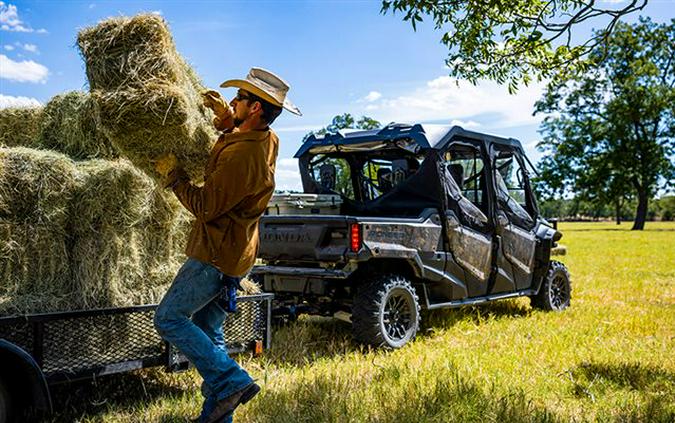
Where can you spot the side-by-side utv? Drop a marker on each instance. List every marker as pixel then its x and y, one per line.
pixel 408 217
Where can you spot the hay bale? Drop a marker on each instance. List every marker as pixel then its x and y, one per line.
pixel 129 52
pixel 20 126
pixel 148 98
pixel 165 240
pixel 34 268
pixel 36 189
pixel 36 186
pixel 69 126
pixel 559 250
pixel 124 249
pixel 84 235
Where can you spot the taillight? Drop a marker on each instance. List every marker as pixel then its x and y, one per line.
pixel 355 237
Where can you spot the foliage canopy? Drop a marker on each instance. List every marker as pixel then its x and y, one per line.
pixel 609 131
pixel 513 40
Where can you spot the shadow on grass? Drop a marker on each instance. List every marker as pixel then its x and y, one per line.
pixel 655 384
pixel 312 338
pixel 90 399
pixel 308 339
pixel 633 376
pixel 477 314
pixel 395 394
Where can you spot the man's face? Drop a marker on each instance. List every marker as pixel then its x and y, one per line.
pixel 241 107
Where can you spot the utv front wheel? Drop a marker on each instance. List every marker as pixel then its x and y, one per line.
pixel 555 292
pixel 386 312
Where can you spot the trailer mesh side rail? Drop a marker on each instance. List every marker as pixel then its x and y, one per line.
pixel 82 344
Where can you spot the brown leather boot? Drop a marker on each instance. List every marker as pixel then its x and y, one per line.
pixel 227 405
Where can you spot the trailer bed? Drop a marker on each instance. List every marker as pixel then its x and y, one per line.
pixel 76 345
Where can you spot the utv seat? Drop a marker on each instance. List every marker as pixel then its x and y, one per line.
pixel 327 176
pixel 457 172
pixel 384 180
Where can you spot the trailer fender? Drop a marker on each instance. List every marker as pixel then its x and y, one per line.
pixel 24 379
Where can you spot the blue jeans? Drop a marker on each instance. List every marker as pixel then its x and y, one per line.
pixel 190 318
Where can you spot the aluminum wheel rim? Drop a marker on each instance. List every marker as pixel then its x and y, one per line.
pixel 559 292
pixel 397 316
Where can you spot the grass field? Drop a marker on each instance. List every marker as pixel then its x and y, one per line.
pixel 610 357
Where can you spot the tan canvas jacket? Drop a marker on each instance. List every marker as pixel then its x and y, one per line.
pixel 239 182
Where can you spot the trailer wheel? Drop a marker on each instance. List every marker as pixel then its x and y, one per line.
pixel 386 312
pixel 556 291
pixel 5 403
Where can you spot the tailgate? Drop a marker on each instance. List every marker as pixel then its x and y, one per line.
pixel 304 238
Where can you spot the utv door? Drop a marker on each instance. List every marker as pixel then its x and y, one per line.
pixel 467 225
pixel 516 217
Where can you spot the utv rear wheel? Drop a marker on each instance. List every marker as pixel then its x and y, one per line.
pixel 386 312
pixel 556 291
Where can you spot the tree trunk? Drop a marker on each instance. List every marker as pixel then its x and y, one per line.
pixel 618 213
pixel 641 214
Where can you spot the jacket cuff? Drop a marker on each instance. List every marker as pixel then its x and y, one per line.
pixel 174 177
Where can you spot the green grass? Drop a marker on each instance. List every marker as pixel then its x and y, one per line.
pixel 607 358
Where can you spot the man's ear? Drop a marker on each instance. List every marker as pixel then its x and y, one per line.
pixel 257 107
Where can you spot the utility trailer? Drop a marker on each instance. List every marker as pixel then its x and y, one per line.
pixel 38 351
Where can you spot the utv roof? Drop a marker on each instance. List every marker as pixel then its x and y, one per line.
pixel 423 137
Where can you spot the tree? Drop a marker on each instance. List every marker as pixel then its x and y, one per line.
pixel 513 40
pixel 343 184
pixel 610 129
pixel 345 121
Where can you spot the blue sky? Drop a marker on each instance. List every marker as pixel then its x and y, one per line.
pixel 338 56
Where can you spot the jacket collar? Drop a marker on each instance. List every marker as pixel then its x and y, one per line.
pixel 234 137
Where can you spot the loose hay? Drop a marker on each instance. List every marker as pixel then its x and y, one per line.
pixel 69 126
pixel 148 98
pixel 20 126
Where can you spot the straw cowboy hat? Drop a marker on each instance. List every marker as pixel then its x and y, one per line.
pixel 267 86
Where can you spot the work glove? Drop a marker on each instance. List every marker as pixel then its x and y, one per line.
pixel 167 167
pixel 223 120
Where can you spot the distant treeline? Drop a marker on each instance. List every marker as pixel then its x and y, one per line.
pixel 575 209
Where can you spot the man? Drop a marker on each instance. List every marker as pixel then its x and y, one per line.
pixel 223 243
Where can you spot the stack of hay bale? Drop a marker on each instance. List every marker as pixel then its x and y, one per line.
pixel 83 222
pixel 147 97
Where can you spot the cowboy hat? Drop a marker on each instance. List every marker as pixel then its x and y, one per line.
pixel 267 86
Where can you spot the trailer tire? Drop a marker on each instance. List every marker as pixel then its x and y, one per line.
pixel 5 403
pixel 386 312
pixel 555 292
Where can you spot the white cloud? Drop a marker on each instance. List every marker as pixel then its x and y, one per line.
pixel 9 47
pixel 444 99
pixel 42 31
pixel 11 101
pixel 287 175
pixel 372 96
pixel 30 47
pixel 9 19
pixel 466 124
pixel 24 71
pixel 303 128
pixel 92 5
pixel 157 12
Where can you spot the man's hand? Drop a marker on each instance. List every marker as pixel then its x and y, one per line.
pixel 165 164
pixel 223 120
